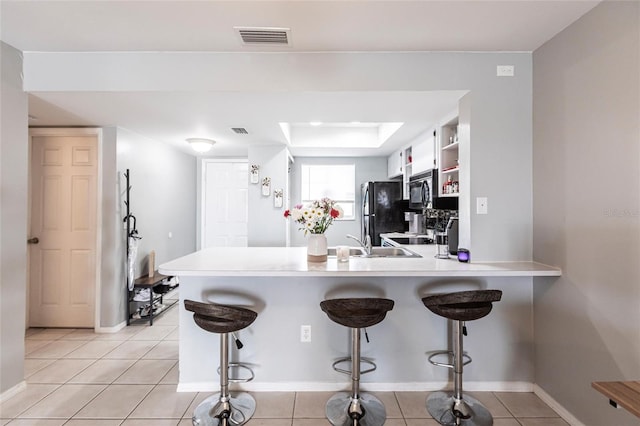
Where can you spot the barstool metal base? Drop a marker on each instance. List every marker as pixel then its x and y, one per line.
pixel 241 408
pixel 341 406
pixel 441 406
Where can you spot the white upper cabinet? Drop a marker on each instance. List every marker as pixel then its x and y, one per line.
pixel 399 165
pixel 394 165
pixel 424 153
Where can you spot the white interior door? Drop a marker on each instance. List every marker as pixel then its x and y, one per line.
pixel 225 203
pixel 62 263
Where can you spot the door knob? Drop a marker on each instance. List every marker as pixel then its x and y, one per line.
pixel 33 240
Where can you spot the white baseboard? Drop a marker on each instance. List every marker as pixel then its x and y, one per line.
pixel 113 329
pixel 562 412
pixel 12 391
pixel 372 387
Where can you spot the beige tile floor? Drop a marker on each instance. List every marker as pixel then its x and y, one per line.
pixel 78 378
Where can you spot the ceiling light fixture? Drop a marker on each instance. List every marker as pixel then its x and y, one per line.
pixel 201 144
pixel 316 123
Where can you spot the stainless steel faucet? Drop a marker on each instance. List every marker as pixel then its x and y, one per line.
pixel 366 244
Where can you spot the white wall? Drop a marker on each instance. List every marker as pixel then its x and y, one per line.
pixel 111 303
pixel 586 172
pixel 163 199
pixel 267 225
pixel 500 148
pixel 367 169
pixel 13 220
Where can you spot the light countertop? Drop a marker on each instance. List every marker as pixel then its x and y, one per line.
pixel 292 261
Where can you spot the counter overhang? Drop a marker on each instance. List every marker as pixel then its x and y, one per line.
pixel 292 262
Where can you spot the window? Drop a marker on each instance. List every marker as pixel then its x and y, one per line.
pixel 336 181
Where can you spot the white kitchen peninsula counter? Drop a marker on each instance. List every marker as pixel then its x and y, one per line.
pixel 292 262
pixel 286 291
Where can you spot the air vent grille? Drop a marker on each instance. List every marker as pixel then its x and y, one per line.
pixel 240 130
pixel 273 36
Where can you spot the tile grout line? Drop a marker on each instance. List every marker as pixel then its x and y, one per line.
pixel 395 396
pixel 505 406
pixel 58 386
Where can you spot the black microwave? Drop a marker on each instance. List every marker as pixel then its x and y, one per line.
pixel 423 193
pixel 421 189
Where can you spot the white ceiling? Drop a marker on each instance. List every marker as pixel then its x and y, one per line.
pixel 315 26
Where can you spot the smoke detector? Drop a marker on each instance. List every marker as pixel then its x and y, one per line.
pixel 264 35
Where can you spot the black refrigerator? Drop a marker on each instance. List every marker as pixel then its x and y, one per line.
pixel 382 209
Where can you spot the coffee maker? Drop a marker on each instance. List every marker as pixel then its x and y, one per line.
pixel 416 222
pixel 452 235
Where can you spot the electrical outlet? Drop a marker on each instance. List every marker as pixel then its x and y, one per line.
pixel 305 333
pixel 482 205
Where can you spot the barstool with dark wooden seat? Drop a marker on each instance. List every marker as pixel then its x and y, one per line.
pixel 462 306
pixel 222 408
pixel 356 408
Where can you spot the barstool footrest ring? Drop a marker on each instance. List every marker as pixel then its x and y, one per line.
pixel 363 360
pixel 240 365
pixel 450 354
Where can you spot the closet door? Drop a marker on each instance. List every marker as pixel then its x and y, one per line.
pixel 62 249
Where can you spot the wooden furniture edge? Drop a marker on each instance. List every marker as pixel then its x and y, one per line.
pixel 147 281
pixel 625 394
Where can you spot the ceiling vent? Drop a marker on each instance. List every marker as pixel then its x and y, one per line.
pixel 264 35
pixel 240 130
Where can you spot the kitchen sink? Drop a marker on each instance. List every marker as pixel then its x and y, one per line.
pixel 353 251
pixel 392 252
pixel 377 252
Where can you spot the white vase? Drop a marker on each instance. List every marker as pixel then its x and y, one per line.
pixel 317 248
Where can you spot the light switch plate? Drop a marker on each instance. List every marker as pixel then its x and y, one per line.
pixel 481 205
pixel 305 333
pixel 505 71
